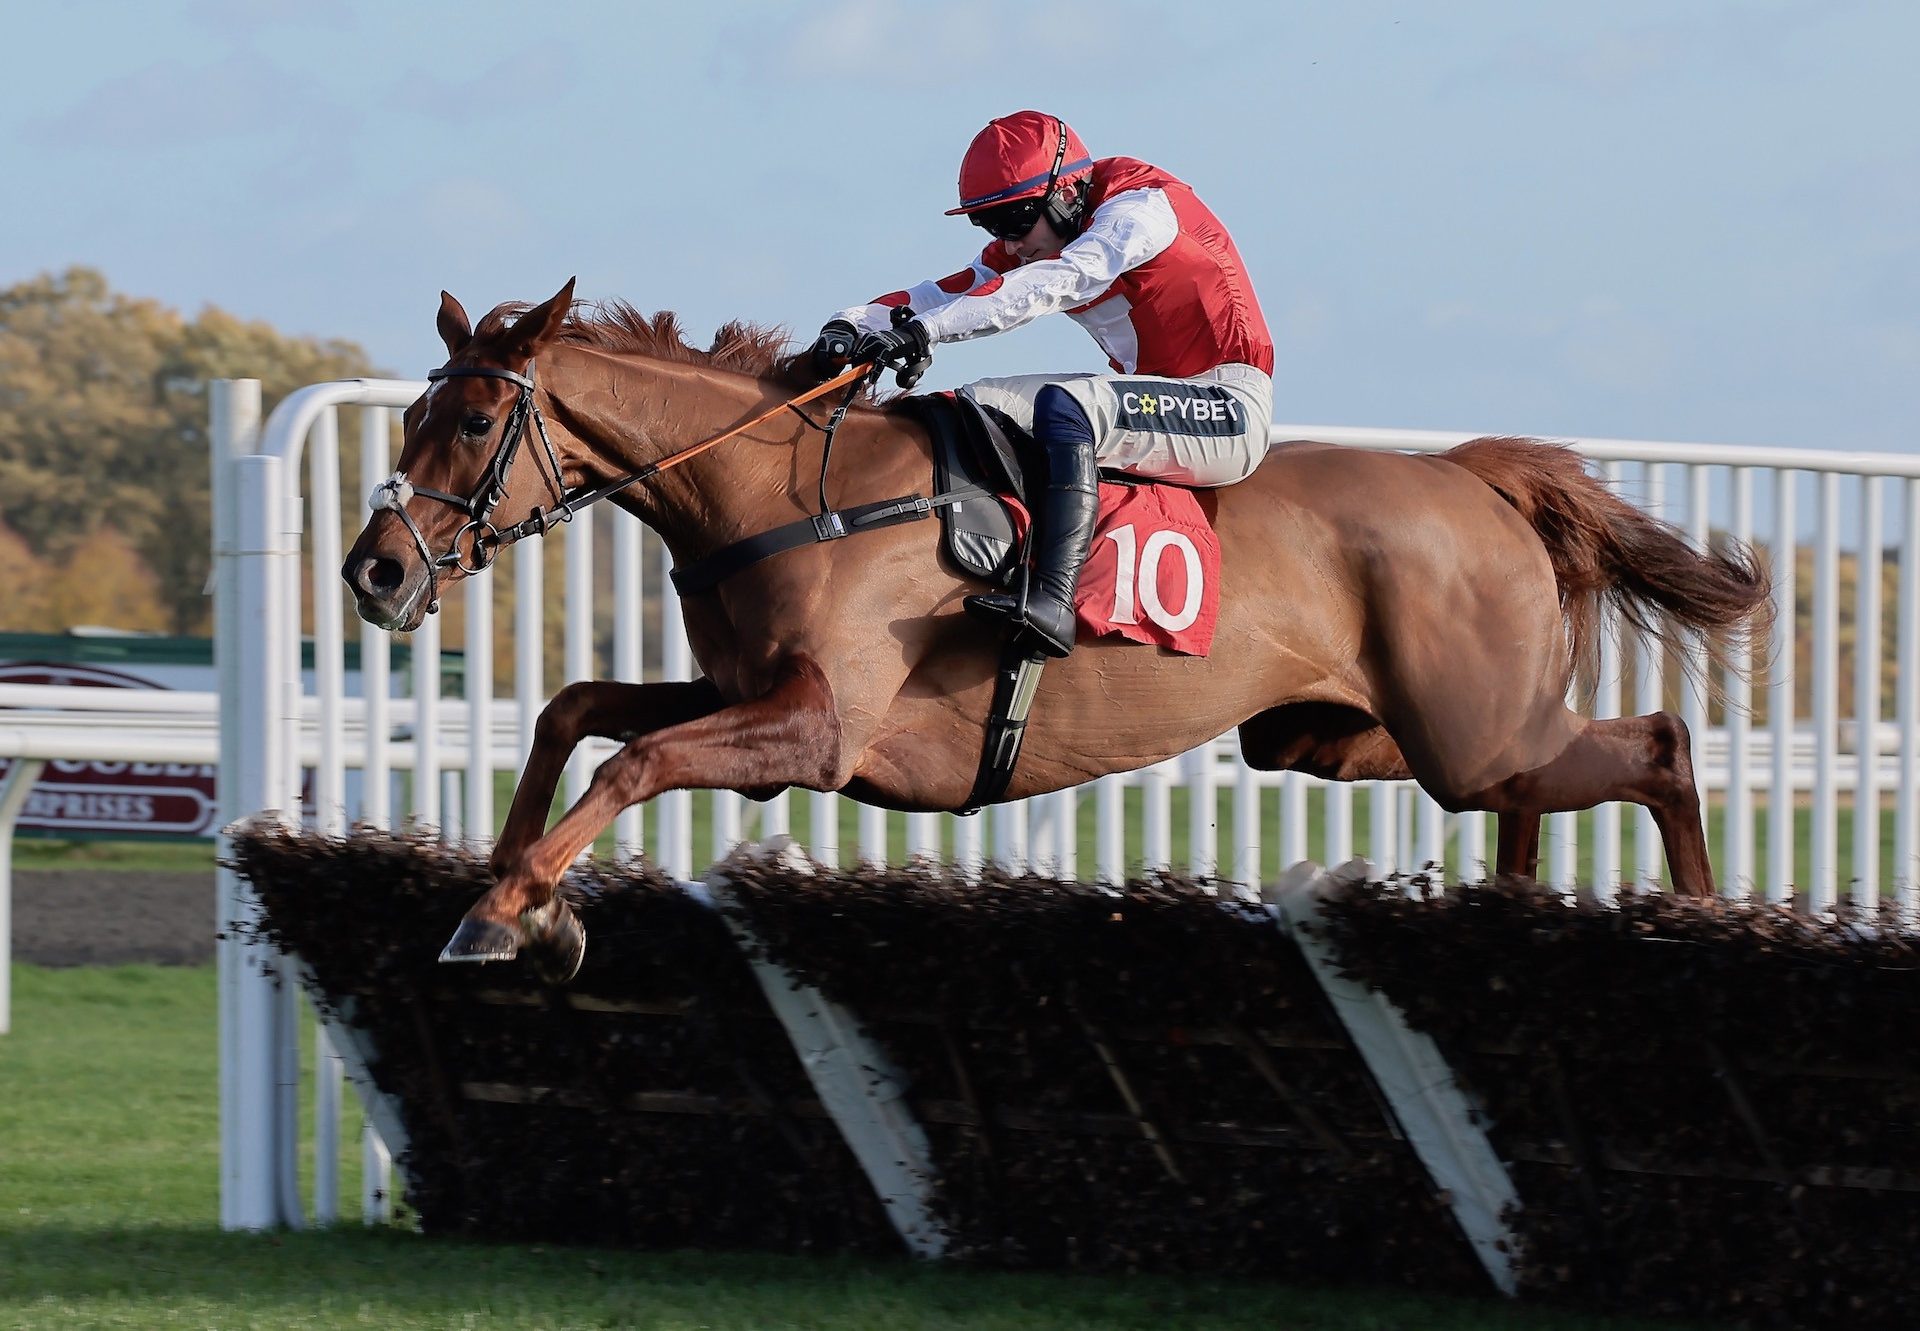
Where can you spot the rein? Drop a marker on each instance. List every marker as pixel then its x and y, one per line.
pixel 487 541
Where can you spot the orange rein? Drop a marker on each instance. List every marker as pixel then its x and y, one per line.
pixel 840 380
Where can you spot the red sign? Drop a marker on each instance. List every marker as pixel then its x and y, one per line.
pixel 96 798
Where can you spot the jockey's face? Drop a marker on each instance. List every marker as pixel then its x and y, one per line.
pixel 1043 242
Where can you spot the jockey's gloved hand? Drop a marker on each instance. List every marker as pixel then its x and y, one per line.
pixel 905 345
pixel 833 349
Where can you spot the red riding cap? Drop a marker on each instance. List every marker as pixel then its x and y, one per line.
pixel 1015 157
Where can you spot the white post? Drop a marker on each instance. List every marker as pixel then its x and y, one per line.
pixel 330 773
pixel 1826 697
pixel 1606 816
pixel 1203 812
pixel 1246 826
pixel 726 807
pixel 1383 834
pixel 425 659
pixel 14 790
pixel 1563 850
pixel 376 681
pixel 1472 844
pixel 1010 842
pixel 872 825
pixel 1866 703
pixel 1906 818
pixel 329 1075
pixel 529 640
pixel 923 837
pixel 1781 810
pixel 1156 823
pixel 376 1177
pixel 577 648
pixel 1067 832
pixel 248 610
pixel 823 828
pixel 1293 820
pixel 1563 833
pixel 1693 681
pixel 968 850
pixel 776 817
pixel 1430 845
pixel 329 633
pixel 478 681
pixel 674 830
pixel 1110 828
pixel 629 637
pixel 1738 871
pixel 1649 695
pixel 1339 822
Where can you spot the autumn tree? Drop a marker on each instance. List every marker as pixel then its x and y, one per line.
pixel 103 429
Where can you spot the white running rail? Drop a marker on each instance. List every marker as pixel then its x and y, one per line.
pixel 1801 768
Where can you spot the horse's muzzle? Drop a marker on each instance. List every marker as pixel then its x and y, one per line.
pixel 386 593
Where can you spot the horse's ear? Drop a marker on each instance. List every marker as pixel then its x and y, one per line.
pixel 455 331
pixel 541 324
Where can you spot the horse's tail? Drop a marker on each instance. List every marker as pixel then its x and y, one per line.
pixel 1605 550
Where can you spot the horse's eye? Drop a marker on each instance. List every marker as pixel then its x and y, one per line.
pixel 476 425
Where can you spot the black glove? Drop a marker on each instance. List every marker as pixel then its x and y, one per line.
pixel 833 349
pixel 905 345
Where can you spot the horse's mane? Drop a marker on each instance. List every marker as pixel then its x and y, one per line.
pixel 763 351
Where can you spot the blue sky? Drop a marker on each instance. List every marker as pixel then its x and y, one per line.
pixel 1697 219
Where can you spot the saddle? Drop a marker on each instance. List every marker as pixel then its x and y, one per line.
pixel 981 455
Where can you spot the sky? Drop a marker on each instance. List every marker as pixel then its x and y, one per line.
pixel 1685 220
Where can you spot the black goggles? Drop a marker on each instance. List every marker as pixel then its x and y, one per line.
pixel 1010 221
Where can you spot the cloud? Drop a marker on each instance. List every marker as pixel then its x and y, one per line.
pixel 870 44
pixel 1622 59
pixel 247 17
pixel 534 75
pixel 173 104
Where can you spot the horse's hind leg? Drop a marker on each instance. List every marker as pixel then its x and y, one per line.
pixel 1643 759
pixel 1518 851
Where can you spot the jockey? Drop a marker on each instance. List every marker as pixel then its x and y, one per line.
pixel 1134 257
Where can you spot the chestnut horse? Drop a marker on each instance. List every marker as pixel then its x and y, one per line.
pixel 1381 615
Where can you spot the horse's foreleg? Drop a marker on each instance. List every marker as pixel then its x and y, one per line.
pixel 788 737
pixel 605 709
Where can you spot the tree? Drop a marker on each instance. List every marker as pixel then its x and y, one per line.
pixel 103 424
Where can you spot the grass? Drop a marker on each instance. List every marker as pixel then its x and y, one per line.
pixel 108 1193
pixel 33 851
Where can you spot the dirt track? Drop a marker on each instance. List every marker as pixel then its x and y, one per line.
pixel 86 917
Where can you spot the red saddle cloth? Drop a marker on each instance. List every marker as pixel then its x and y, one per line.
pixel 1153 572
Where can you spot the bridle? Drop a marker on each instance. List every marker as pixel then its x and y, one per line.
pixel 487 541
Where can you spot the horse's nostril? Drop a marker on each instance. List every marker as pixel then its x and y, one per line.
pixel 378 577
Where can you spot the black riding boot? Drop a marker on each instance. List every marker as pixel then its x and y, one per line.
pixel 1062 531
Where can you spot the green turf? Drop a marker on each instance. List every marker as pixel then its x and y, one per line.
pixel 108 1197
pixel 152 856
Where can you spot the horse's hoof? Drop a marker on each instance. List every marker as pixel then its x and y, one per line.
pixel 481 940
pixel 562 945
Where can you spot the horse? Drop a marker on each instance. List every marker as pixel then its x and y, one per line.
pixel 1382 615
